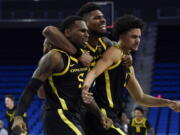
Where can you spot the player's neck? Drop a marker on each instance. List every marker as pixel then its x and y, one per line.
pixel 138 119
pixel 93 41
pixel 123 47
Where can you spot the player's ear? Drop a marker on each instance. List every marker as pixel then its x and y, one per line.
pixel 67 32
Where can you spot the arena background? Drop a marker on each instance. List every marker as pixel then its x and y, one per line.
pixel 157 63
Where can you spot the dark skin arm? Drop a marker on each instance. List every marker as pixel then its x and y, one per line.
pixel 57 38
pixel 106 61
pixel 94 108
pixel 47 64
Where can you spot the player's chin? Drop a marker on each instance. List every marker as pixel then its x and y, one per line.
pixel 102 33
pixel 134 49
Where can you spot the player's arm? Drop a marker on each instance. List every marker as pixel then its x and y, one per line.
pixel 104 120
pixel 47 46
pixel 110 56
pixel 137 93
pixel 57 38
pixel 47 64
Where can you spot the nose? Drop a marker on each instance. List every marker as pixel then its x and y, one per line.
pixel 138 40
pixel 103 19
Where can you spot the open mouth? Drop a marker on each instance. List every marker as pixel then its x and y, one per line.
pixel 103 27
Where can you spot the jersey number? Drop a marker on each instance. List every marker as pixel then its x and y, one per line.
pixel 80 79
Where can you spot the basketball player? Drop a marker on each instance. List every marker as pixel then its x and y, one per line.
pixel 62 76
pixel 128 30
pixel 139 125
pixel 97 44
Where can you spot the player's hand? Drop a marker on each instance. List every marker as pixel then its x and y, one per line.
pixel 25 133
pixel 106 122
pixel 19 127
pixel 174 105
pixel 87 96
pixel 127 60
pixel 85 59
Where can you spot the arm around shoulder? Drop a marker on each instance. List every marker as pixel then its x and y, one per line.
pixel 57 38
pixel 110 56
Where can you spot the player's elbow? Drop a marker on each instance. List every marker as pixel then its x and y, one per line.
pixel 140 99
pixel 47 30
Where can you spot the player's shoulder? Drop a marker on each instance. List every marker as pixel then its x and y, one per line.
pixel 108 41
pixel 56 52
pixel 53 55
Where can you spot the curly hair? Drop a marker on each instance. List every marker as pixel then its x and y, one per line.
pixel 85 9
pixel 126 23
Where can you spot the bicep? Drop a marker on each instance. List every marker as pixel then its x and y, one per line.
pixel 102 65
pixel 55 36
pixel 46 66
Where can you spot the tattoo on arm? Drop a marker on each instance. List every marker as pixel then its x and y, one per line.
pixel 47 64
pixel 44 66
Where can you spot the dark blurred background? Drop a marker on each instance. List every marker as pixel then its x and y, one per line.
pixel 157 63
pixel 21 22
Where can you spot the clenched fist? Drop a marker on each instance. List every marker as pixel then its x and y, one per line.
pixel 19 126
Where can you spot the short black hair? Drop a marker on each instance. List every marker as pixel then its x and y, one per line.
pixel 139 109
pixel 69 22
pixel 126 23
pixel 88 7
pixel 10 96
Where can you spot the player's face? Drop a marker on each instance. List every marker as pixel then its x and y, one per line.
pixel 78 34
pixel 8 102
pixel 96 22
pixel 131 39
pixel 138 114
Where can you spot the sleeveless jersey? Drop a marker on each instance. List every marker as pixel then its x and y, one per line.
pixel 63 89
pixel 139 128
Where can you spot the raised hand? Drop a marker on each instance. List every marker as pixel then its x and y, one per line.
pixel 106 122
pixel 127 60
